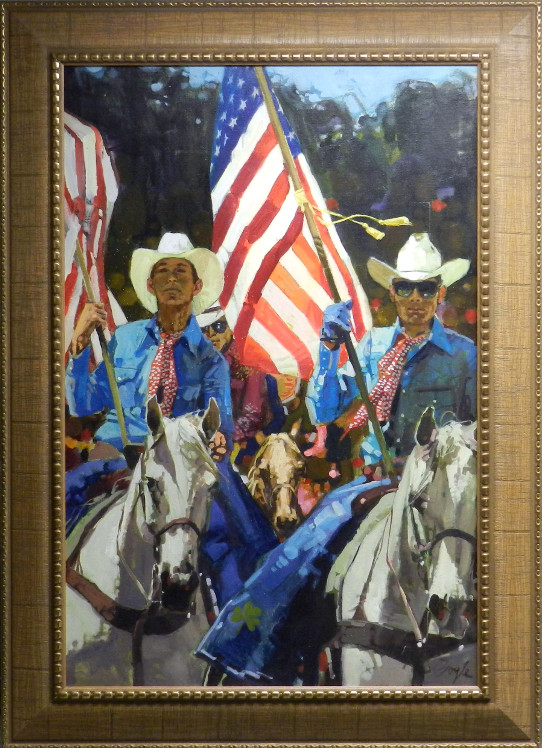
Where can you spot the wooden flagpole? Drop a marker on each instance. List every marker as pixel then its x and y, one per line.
pixel 313 227
pixel 105 351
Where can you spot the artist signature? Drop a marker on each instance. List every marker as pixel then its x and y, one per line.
pixel 447 670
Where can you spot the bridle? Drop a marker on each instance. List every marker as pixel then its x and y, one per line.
pixel 145 493
pixel 156 617
pixel 279 486
pixel 180 521
pixel 416 501
pixel 290 485
pixel 152 612
pixel 117 615
pixel 150 620
pixel 424 550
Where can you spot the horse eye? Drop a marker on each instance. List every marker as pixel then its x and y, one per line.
pixel 265 473
pixel 154 490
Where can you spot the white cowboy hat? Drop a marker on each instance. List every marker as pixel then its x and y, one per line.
pixel 208 267
pixel 417 260
pixel 210 315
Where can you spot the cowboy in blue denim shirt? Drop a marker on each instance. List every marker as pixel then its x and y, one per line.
pixel 176 282
pixel 439 370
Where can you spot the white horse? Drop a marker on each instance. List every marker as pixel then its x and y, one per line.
pixel 405 585
pixel 134 610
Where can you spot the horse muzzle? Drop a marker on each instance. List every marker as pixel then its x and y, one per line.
pixel 285 524
pixel 178 589
pixel 286 514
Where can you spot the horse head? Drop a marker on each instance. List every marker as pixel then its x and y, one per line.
pixel 443 493
pixel 273 481
pixel 409 570
pixel 172 484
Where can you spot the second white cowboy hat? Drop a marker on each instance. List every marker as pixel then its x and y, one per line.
pixel 208 267
pixel 417 260
pixel 210 315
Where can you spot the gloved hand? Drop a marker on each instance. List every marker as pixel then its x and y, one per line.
pixel 336 322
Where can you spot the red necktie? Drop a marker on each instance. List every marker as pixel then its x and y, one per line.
pixel 163 377
pixel 390 368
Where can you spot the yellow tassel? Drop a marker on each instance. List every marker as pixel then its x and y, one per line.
pixel 375 233
pixel 400 221
pixel 331 213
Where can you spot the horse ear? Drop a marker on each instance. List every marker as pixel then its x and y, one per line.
pixel 211 419
pixel 472 436
pixel 154 417
pixel 426 427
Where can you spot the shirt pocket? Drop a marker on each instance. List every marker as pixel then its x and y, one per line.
pixel 127 380
pixel 441 396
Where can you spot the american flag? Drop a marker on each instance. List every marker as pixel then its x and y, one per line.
pixel 275 289
pixel 90 191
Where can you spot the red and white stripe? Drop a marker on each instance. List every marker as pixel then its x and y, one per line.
pixel 275 290
pixel 90 191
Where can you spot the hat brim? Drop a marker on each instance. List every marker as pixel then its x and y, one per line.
pixel 208 317
pixel 208 268
pixel 449 273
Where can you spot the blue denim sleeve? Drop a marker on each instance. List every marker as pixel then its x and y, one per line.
pixel 216 383
pixel 86 392
pixel 330 389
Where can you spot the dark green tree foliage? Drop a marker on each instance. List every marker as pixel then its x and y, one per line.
pixel 434 129
pixel 417 147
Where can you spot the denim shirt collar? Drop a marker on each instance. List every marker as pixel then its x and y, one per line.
pixel 437 336
pixel 192 333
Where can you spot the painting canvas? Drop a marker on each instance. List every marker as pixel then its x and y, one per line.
pixel 270 349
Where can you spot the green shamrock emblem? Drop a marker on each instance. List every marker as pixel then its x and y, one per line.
pixel 248 614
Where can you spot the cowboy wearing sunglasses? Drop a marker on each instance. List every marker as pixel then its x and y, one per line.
pixel 411 365
pixel 256 406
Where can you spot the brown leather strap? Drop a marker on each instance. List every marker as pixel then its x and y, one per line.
pixel 180 521
pixel 117 615
pixel 400 645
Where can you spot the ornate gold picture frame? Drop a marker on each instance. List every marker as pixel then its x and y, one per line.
pixel 503 41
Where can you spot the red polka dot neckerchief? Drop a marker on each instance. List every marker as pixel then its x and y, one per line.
pixel 163 377
pixel 390 368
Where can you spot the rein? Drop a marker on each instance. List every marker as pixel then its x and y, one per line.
pixel 117 615
pixel 401 645
pixel 114 613
pixel 452 532
pixel 394 636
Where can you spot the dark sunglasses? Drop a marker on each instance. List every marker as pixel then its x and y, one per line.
pixel 218 326
pixel 426 289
